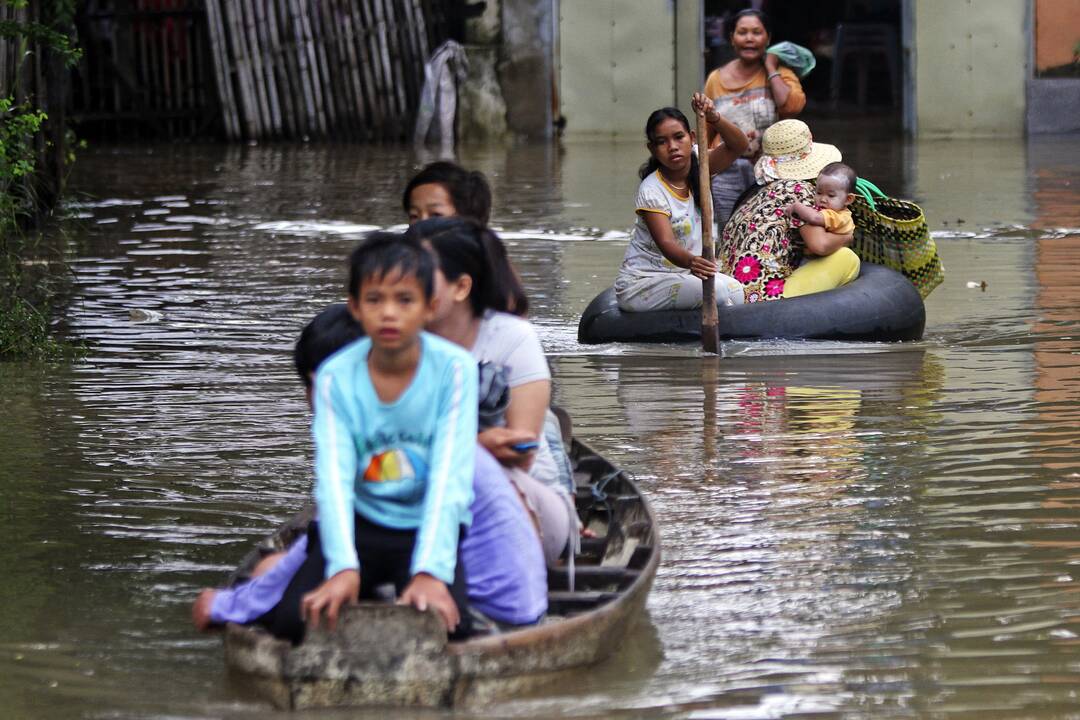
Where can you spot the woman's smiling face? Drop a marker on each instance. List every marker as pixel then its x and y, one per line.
pixel 749 38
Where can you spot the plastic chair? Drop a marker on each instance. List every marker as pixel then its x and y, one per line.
pixel 865 40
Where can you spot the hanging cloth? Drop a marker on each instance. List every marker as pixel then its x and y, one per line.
pixel 438 98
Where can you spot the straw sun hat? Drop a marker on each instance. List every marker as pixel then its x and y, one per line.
pixel 788 152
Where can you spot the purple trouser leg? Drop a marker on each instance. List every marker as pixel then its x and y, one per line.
pixel 251 599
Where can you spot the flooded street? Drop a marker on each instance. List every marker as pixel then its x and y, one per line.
pixel 849 530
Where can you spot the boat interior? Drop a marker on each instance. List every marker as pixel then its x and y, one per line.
pixel 623 541
pixel 606 564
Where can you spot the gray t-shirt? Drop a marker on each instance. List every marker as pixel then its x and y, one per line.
pixel 511 343
pixel 656 196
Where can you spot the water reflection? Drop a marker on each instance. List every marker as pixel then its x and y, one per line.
pixel 848 530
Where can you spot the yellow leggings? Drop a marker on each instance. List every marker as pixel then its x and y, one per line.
pixel 823 273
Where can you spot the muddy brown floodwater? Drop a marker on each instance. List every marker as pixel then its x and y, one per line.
pixel 850 530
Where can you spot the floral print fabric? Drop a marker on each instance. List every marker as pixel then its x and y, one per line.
pixel 760 246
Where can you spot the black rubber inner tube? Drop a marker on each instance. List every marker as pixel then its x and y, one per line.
pixel 880 305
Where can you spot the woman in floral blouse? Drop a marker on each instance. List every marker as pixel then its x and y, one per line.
pixel 771 253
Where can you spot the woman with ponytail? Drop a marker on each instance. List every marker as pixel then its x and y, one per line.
pixel 479 306
pixel 663 267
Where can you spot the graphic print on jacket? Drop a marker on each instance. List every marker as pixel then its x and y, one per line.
pixel 395 465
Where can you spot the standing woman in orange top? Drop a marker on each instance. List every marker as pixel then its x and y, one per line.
pixel 753 91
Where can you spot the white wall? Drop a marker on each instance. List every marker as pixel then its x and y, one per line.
pixel 617 62
pixel 971 66
pixel 689 51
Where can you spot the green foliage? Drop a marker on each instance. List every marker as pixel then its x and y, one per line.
pixel 16 159
pixel 25 334
pixel 37 33
pixel 31 279
pixel 29 285
pixel 19 126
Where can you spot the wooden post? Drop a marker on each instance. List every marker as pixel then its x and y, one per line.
pixel 249 102
pixel 710 341
pixel 338 62
pixel 289 95
pixel 320 39
pixel 350 42
pixel 257 14
pixel 247 21
pixel 220 48
pixel 394 92
pixel 290 64
pixel 309 67
pixel 400 85
pixel 384 112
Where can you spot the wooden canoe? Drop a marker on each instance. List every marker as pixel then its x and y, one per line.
pixel 383 654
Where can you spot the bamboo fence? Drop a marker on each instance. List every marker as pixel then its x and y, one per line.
pixel 146 69
pixel 339 69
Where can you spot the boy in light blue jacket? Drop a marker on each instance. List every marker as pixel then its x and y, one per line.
pixel 395 434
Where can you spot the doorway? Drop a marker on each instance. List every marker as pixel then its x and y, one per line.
pixel 862 68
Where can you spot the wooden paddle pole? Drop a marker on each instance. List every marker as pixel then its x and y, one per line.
pixel 710 341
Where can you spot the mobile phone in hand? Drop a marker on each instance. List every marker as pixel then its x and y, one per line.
pixel 524 447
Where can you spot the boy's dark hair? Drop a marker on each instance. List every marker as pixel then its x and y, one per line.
pixel 328 332
pixel 843 172
pixel 463 246
pixel 468 189
pixel 384 252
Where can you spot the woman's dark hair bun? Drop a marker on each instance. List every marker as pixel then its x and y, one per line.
pixel 751 12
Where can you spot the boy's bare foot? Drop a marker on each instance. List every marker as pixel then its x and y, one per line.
pixel 200 610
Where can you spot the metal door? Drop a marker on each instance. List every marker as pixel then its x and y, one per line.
pixel 616 63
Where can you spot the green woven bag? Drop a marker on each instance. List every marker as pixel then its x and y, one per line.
pixel 894 233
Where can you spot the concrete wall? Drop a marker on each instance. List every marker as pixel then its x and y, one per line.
pixel 616 64
pixel 689 51
pixel 621 59
pixel 526 66
pixel 971 66
pixel 481 107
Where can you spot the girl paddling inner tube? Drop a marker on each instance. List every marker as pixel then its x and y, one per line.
pixel 786 250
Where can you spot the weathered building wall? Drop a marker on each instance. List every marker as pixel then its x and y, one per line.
pixel 616 63
pixel 509 87
pixel 526 66
pixel 689 51
pixel 481 106
pixel 971 66
pixel 605 64
pixel 1053 103
pixel 621 59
